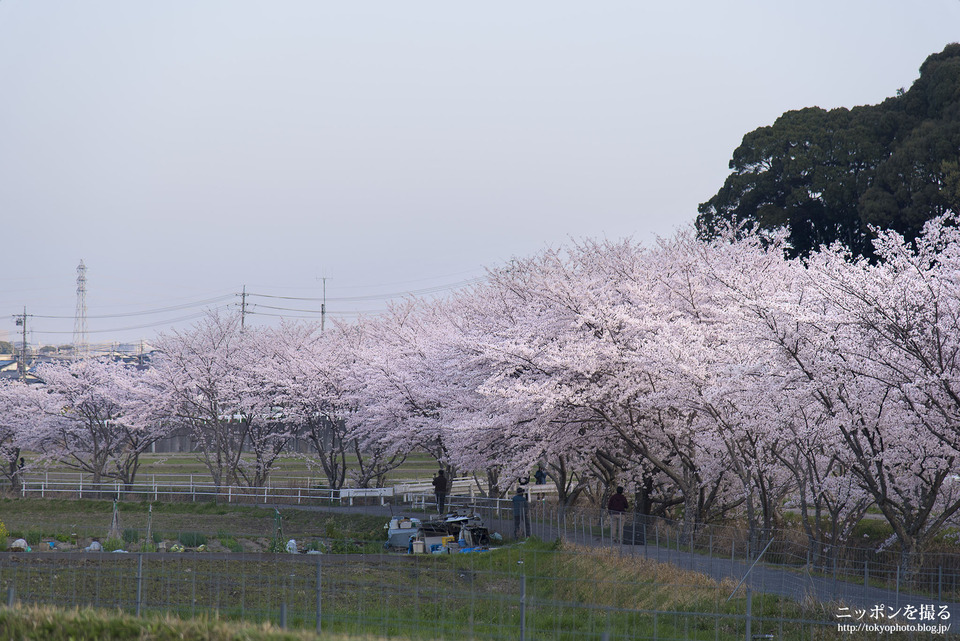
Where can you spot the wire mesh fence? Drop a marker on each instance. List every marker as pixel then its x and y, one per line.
pixel 853 574
pixel 515 593
pixel 422 597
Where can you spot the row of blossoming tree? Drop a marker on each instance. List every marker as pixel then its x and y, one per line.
pixel 712 379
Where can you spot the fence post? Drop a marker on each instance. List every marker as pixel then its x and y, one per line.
pixel 11 597
pixel 940 583
pixel 523 607
pixel 866 573
pixel 283 615
pixel 193 592
pixel 139 582
pixel 834 573
pixel 319 597
pixel 749 635
pixel 898 587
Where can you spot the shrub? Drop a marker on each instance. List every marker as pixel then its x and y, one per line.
pixel 33 537
pixel 192 539
pixel 345 546
pixel 156 538
pixel 231 544
pixel 131 535
pixel 111 545
pixel 60 537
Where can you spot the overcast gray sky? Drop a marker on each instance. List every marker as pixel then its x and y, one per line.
pixel 186 149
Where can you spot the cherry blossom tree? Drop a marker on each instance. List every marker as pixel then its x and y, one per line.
pixel 393 387
pixel 597 342
pixel 310 371
pixel 882 360
pixel 96 420
pixel 215 380
pixel 720 378
pixel 21 412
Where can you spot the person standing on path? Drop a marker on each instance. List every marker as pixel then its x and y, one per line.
pixel 617 506
pixel 521 515
pixel 541 475
pixel 440 489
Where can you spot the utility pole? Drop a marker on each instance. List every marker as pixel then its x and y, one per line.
pixel 243 307
pixel 323 305
pixel 22 362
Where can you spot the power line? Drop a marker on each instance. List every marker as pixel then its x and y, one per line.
pixel 418 280
pixel 338 313
pixel 289 309
pixel 373 285
pixel 168 321
pixel 159 310
pixel 247 308
pixel 413 292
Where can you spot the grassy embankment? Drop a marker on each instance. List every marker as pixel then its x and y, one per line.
pixel 570 593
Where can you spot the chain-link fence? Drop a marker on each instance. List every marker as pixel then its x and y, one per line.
pixel 402 593
pixel 514 593
pixel 853 574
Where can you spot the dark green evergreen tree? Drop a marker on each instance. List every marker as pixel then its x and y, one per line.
pixel 829 175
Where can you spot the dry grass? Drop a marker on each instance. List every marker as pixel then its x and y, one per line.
pixel 632 582
pixel 53 624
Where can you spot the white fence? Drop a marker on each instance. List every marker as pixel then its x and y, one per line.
pixel 284 490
